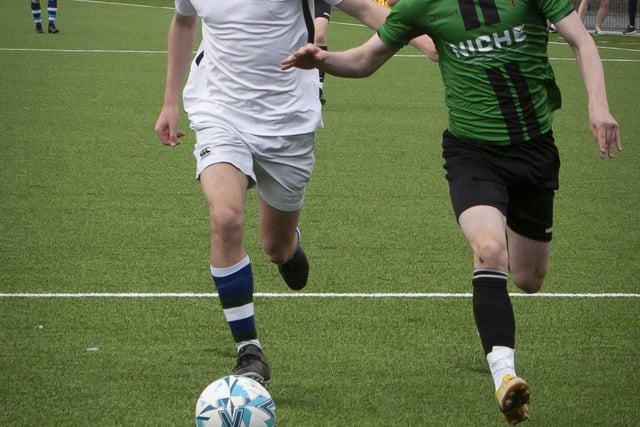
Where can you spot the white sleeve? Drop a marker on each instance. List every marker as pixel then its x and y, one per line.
pixel 333 2
pixel 185 8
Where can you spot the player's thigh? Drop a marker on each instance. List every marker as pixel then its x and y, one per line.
pixel 322 10
pixel 320 35
pixel 224 167
pixel 474 175
pixel 283 166
pixel 224 188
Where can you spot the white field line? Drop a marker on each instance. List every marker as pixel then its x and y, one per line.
pixel 419 55
pixel 111 3
pixel 164 52
pixel 301 295
pixel 11 49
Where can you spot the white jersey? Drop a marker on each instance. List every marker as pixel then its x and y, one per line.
pixel 239 80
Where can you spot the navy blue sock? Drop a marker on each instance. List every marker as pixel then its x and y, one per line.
pixel 36 12
pixel 235 292
pixel 52 10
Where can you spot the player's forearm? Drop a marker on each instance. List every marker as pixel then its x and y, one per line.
pixel 361 61
pixel 180 46
pixel 592 73
pixel 350 63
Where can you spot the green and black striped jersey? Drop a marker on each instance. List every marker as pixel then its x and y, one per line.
pixel 499 86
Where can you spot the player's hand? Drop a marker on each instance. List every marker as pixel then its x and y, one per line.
pixel 307 57
pixel 167 126
pixel 606 132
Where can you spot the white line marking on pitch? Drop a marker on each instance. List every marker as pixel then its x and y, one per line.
pixel 301 295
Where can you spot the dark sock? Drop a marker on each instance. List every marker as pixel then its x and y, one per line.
pixel 235 292
pixel 36 12
pixel 492 309
pixel 52 11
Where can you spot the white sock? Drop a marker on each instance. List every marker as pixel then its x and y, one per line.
pixel 501 362
pixel 227 271
pixel 255 342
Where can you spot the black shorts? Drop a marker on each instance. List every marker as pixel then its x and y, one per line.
pixel 323 9
pixel 519 180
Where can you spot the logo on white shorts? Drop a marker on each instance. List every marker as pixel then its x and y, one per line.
pixel 205 152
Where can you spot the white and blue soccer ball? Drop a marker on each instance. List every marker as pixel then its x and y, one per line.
pixel 235 401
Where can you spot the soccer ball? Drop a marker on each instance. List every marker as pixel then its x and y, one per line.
pixel 235 401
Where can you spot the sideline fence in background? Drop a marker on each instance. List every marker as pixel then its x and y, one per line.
pixel 617 18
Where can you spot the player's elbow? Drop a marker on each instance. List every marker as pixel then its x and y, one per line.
pixel 366 68
pixel 365 72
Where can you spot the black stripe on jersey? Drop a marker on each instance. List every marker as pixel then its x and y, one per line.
pixel 469 14
pixel 308 19
pixel 489 12
pixel 524 97
pixel 507 104
pixel 199 58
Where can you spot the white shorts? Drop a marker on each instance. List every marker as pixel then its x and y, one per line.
pixel 280 166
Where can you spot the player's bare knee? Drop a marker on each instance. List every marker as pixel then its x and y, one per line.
pixel 226 220
pixel 491 254
pixel 528 282
pixel 276 253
